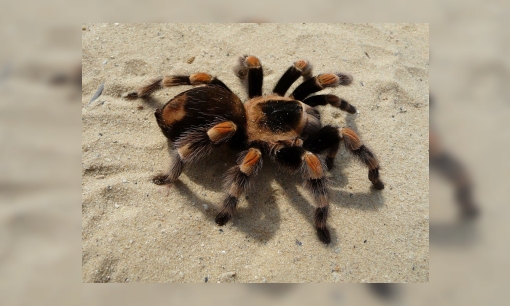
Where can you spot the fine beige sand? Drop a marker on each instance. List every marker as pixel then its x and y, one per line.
pixel 135 231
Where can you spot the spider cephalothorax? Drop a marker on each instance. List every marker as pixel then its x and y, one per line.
pixel 286 128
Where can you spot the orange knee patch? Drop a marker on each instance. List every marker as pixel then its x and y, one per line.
pixel 250 160
pixel 200 78
pixel 252 62
pixel 328 80
pixel 314 165
pixel 351 139
pixel 222 131
pixel 304 67
pixel 301 65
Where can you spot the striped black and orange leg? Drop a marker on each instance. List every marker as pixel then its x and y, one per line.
pixel 313 172
pixel 326 140
pixel 315 181
pixel 237 180
pixel 320 82
pixel 332 100
pixel 250 71
pixel 174 80
pixel 300 68
pixel 194 145
pixel 354 144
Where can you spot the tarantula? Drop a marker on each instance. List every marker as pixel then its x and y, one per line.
pixel 286 128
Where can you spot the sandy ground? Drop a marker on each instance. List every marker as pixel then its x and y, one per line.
pixel 135 231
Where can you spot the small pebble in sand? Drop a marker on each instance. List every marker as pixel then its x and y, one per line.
pixel 116 205
pixel 190 60
pixel 206 207
pixel 109 187
pixel 225 277
pixel 299 242
pixel 124 181
pixel 206 279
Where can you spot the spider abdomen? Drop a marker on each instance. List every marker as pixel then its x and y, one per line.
pixel 200 107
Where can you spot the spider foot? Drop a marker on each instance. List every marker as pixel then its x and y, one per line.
pixel 161 179
pixel 324 235
pixel 222 218
pixel 378 185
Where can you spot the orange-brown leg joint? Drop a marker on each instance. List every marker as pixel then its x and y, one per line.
pixel 327 80
pixel 304 67
pixel 250 161
pixel 222 131
pixel 301 64
pixel 314 166
pixel 252 62
pixel 351 139
pixel 200 78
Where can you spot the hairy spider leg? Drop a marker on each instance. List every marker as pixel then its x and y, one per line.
pixel 313 172
pixel 175 80
pixel 237 180
pixel 299 68
pixel 320 82
pixel 326 140
pixel 332 100
pixel 250 70
pixel 354 145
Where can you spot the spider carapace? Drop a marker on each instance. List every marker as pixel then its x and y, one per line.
pixel 286 128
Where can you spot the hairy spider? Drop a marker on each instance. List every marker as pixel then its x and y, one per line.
pixel 286 128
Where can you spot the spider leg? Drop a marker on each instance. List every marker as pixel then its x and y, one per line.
pixel 174 80
pixel 299 68
pixel 193 145
pixel 250 70
pixel 327 139
pixel 330 99
pixel 354 144
pixel 237 180
pixel 320 82
pixel 313 172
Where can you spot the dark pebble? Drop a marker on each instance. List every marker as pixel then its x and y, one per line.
pixel 299 242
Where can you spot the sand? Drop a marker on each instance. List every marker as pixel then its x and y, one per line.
pixel 135 231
